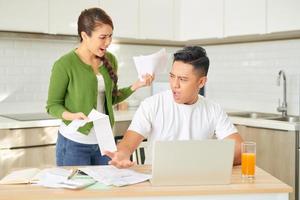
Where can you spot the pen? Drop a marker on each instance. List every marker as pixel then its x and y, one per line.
pixel 73 173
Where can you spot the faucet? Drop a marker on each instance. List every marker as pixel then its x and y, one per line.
pixel 282 108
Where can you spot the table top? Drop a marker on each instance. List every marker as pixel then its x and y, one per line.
pixel 263 183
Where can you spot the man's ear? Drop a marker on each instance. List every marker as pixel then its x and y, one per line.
pixel 202 81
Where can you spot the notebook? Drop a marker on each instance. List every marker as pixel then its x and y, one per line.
pixel 49 177
pixel 197 162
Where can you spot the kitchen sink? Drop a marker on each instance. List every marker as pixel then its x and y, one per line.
pixel 286 119
pixel 253 115
pixel 268 116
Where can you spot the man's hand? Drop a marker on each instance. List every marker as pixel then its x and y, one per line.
pixel 119 159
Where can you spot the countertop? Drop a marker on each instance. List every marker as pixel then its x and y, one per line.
pixel 6 123
pixel 263 123
pixel 264 186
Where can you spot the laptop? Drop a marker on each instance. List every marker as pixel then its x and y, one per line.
pixel 192 162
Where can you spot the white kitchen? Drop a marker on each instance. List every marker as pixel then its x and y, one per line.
pixel 253 48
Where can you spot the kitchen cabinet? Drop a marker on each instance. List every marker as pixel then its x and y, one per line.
pixel 156 19
pixel 125 16
pixel 283 15
pixel 244 17
pixel 27 147
pixel 276 152
pixel 199 19
pixel 63 15
pixel 24 16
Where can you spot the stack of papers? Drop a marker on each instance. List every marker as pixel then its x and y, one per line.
pixel 151 64
pixel 50 177
pixel 110 175
pixel 22 176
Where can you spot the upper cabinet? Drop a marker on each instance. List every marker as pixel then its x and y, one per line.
pixel 156 19
pixel 199 19
pixel 283 15
pixel 63 15
pixel 174 20
pixel 125 16
pixel 244 17
pixel 24 16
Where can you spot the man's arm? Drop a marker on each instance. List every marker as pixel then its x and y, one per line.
pixel 237 150
pixel 130 142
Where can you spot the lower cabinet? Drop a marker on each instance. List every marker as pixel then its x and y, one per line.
pixel 276 152
pixel 27 147
pixel 12 159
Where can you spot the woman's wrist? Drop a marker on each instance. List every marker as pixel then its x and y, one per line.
pixel 134 87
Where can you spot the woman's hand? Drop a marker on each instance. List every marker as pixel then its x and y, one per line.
pixel 147 80
pixel 71 116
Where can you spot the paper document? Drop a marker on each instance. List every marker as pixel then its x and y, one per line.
pixel 151 64
pixel 102 129
pixel 110 175
pixel 21 176
pixel 33 175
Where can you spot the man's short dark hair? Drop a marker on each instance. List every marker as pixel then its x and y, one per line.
pixel 194 55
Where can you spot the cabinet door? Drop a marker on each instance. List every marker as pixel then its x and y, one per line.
pixel 24 16
pixel 199 19
pixel 63 15
pixel 12 159
pixel 11 138
pixel 125 16
pixel 156 19
pixel 283 15
pixel 244 17
pixel 276 152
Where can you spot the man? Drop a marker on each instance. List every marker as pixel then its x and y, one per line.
pixel 179 113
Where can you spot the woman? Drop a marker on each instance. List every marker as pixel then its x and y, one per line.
pixel 81 80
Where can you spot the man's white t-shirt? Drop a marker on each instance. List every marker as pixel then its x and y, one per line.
pixel 159 117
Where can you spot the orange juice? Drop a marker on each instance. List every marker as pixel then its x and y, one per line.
pixel 248 164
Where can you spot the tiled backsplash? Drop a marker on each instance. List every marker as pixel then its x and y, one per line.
pixel 241 76
pixel 244 76
pixel 25 67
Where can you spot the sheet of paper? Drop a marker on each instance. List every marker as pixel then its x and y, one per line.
pixel 59 178
pixel 34 175
pixel 151 64
pixel 103 131
pixel 74 126
pixel 20 176
pixel 110 175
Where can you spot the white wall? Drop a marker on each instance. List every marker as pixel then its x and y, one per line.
pixel 25 67
pixel 243 76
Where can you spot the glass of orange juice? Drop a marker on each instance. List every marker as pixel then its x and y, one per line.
pixel 248 159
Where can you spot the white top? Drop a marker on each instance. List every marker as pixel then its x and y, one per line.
pixel 91 137
pixel 160 118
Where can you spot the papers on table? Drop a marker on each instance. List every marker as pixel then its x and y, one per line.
pixel 102 128
pixel 63 178
pixel 21 176
pixel 110 175
pixel 151 64
pixel 49 177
